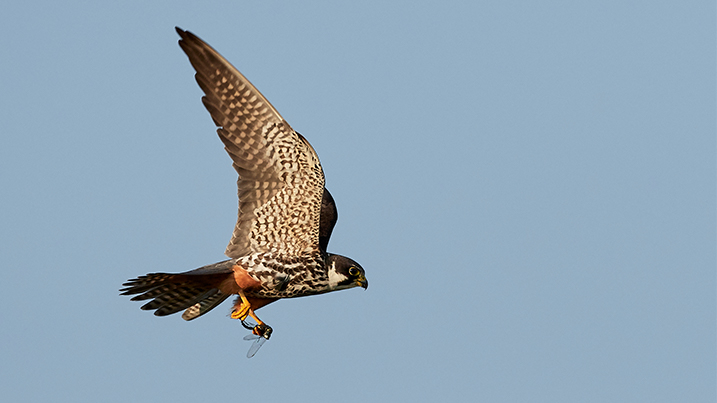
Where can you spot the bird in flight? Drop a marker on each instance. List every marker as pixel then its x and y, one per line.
pixel 286 215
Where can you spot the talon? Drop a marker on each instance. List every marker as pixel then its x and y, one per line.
pixel 242 308
pixel 241 312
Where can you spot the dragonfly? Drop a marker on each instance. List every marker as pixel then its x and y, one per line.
pixel 260 334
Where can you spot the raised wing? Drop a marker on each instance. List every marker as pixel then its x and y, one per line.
pixel 329 215
pixel 281 182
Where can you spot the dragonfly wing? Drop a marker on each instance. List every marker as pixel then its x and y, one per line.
pixel 258 342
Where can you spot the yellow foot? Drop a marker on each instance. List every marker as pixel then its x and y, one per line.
pixel 242 309
pixel 241 312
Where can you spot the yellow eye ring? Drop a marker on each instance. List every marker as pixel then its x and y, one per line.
pixel 353 271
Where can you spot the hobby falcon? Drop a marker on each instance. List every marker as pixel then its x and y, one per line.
pixel 286 215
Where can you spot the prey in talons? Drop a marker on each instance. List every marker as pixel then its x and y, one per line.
pixel 242 310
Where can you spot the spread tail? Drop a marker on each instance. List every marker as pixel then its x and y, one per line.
pixel 194 291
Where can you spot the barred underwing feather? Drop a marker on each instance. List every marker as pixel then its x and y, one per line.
pixel 281 182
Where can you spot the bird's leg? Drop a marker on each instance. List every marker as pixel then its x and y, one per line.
pixel 242 309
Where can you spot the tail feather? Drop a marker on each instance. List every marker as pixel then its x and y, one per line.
pixel 174 299
pixel 155 292
pixel 145 283
pixel 205 304
pixel 195 291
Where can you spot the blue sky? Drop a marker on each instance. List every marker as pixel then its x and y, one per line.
pixel 530 187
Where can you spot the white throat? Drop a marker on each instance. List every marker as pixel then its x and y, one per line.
pixel 335 278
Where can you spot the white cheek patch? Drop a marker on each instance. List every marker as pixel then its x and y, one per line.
pixel 334 277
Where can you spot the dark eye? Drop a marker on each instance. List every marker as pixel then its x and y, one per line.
pixel 353 271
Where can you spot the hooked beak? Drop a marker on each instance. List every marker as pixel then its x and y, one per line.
pixel 362 282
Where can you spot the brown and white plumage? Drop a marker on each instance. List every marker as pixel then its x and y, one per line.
pixel 286 216
pixel 280 178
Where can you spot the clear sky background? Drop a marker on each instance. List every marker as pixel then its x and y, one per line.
pixel 530 186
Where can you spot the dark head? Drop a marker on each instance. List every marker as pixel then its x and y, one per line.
pixel 345 273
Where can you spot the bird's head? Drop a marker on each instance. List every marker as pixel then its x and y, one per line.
pixel 345 273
